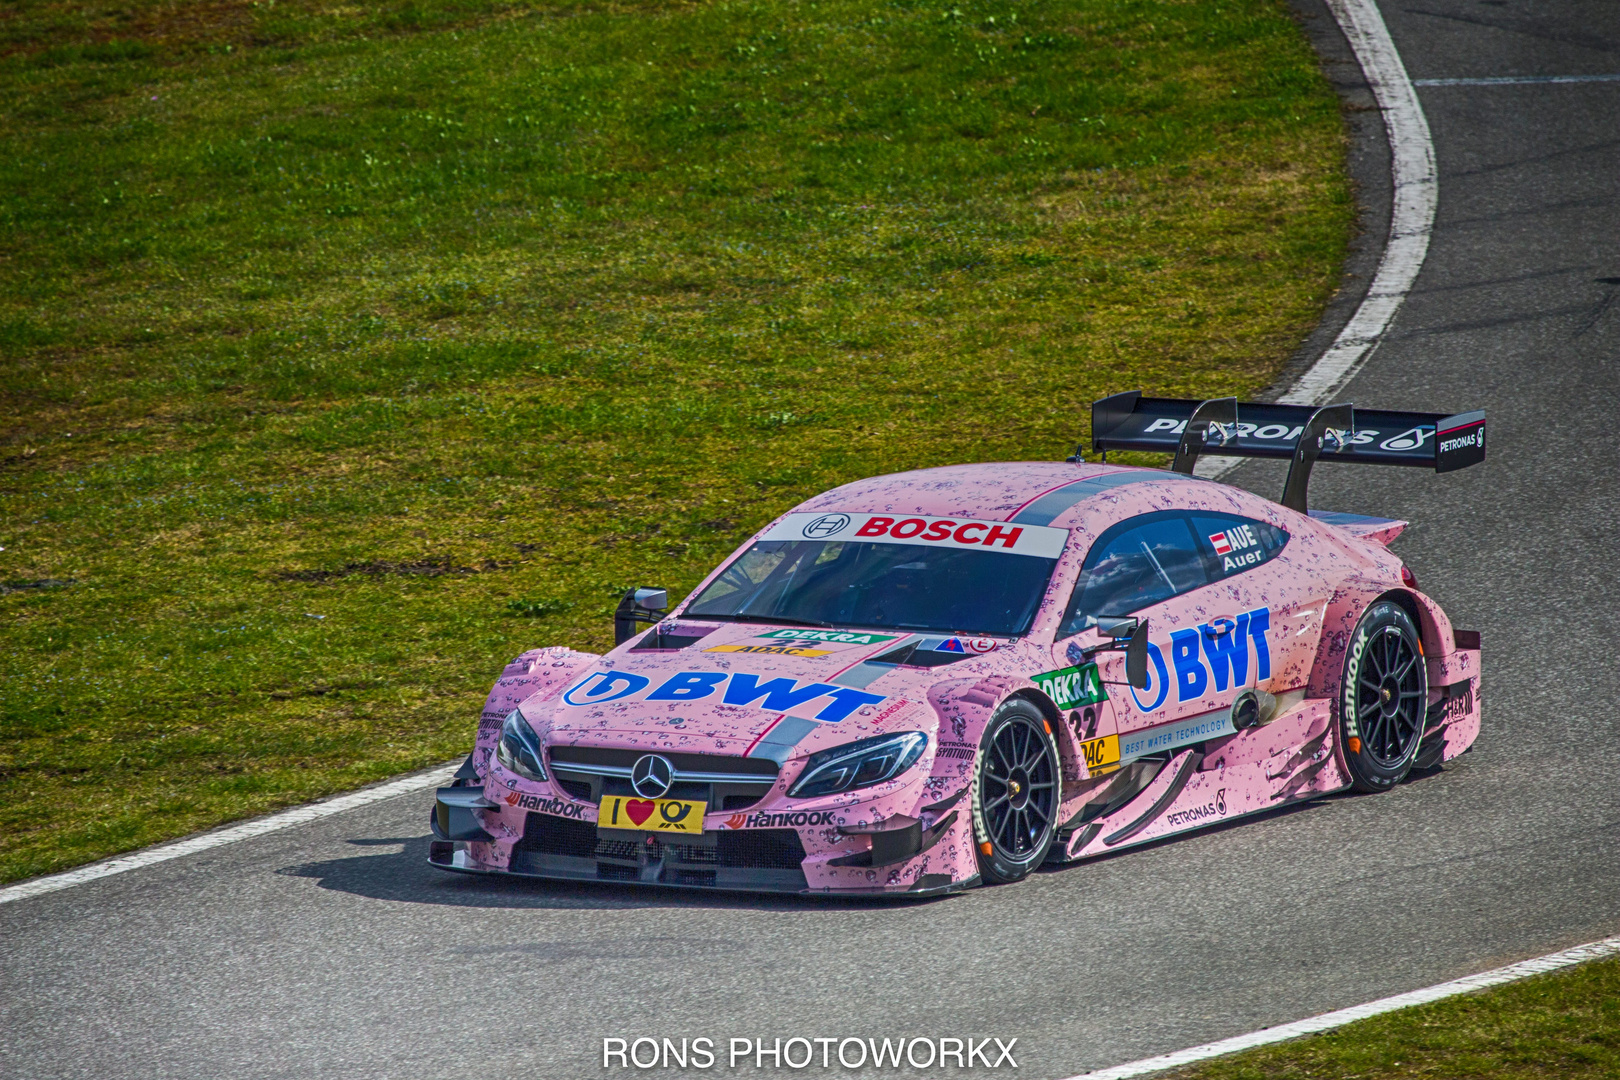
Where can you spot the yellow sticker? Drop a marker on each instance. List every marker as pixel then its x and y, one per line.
pixel 1102 755
pixel 651 815
pixel 770 650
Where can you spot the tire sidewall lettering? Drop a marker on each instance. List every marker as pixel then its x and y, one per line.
pixel 1380 617
pixel 1003 867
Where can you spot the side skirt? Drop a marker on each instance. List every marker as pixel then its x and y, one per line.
pixel 1231 778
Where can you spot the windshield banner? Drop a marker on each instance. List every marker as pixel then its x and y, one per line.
pixel 1040 541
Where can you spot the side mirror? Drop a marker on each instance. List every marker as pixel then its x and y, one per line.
pixel 1117 626
pixel 639 605
pixel 1136 656
pixel 1129 634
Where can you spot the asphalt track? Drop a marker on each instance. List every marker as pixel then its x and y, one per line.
pixel 331 949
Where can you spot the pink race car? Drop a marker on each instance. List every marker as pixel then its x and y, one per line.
pixel 916 683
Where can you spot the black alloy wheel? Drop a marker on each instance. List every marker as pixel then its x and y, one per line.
pixel 1383 700
pixel 1015 792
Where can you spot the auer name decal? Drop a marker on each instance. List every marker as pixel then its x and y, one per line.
pixel 1238 548
pixel 779 695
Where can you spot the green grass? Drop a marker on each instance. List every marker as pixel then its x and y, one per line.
pixel 1564 1026
pixel 349 351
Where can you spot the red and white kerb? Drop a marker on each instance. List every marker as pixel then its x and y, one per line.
pixel 1041 541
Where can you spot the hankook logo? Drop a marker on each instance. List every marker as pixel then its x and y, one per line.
pixel 826 525
pixel 652 776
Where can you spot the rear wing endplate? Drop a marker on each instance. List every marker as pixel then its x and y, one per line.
pixel 1304 433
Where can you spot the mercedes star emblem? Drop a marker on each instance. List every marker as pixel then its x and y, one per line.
pixel 652 776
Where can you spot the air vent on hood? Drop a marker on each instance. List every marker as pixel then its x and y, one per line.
pixel 919 654
pixel 672 637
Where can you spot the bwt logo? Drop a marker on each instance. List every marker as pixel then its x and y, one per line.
pixel 775 695
pixel 1224 644
pixel 603 686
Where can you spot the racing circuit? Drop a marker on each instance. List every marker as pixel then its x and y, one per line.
pixel 333 948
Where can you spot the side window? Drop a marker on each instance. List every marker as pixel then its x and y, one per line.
pixel 1234 544
pixel 1139 562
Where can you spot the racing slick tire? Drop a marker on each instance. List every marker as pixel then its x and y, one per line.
pixel 1015 793
pixel 1383 698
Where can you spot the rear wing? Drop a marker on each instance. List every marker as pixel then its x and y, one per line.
pixel 1304 433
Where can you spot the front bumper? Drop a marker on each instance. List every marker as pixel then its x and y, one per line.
pixel 475 835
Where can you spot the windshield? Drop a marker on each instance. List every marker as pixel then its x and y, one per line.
pixel 889 586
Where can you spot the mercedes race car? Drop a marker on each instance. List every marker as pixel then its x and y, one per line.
pixel 921 682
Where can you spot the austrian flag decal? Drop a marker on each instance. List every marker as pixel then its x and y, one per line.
pixel 897 528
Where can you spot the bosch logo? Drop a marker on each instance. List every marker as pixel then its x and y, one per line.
pixel 652 776
pixel 826 525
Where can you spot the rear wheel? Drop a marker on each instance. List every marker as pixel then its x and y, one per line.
pixel 1015 793
pixel 1383 698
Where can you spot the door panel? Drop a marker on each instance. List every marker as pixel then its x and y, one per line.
pixel 1229 612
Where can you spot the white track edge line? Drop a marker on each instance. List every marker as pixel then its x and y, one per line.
pixel 1524 969
pixel 1416 190
pixel 1517 80
pixel 1416 195
pixel 247 830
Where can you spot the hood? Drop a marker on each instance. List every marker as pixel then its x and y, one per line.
pixel 755 690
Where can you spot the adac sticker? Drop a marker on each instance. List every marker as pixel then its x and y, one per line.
pixel 786 648
pixel 1102 755
pixel 1072 686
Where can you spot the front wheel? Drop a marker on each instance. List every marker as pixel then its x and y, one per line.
pixel 1383 699
pixel 1015 793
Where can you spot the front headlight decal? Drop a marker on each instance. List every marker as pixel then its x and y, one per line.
pixel 519 748
pixel 858 764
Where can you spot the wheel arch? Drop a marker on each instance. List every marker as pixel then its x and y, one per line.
pixel 1067 746
pixel 1405 601
pixel 1434 625
pixel 1344 610
pixel 992 863
pixel 1049 709
pixel 1369 768
pixel 532 672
